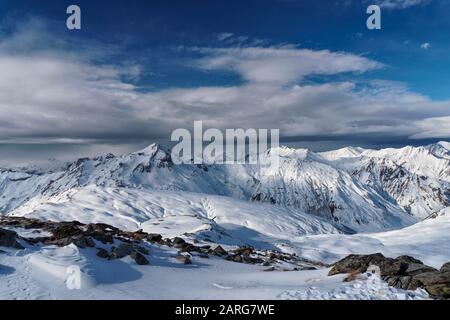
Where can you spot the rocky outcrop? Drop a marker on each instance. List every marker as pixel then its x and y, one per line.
pixel 446 267
pixel 404 272
pixel 112 243
pixel 184 259
pixel 9 239
pixel 139 258
pixel 219 251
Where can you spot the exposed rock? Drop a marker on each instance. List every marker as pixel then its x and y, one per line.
pixel 403 272
pixel 133 243
pixel 153 237
pixel 139 258
pixel 402 282
pixel 356 263
pixel 178 242
pixel 446 267
pixel 408 259
pixel 66 229
pixel 102 227
pixel 138 235
pixel 251 260
pixel 8 239
pixel 123 250
pixel 80 241
pixel 25 223
pixel 103 253
pixel 220 251
pixel 280 256
pixel 184 259
pixel 36 240
pixel 235 258
pixel 309 268
pixel 101 232
pixel 269 269
pixel 244 251
pixel 83 242
pixel 142 250
pixel 414 269
pixel 435 283
pixel 401 266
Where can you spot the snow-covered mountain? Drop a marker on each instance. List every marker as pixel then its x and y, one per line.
pixel 353 189
pixel 417 179
pixel 304 208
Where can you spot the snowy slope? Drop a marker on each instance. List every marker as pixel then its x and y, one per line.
pixel 42 274
pixel 416 178
pixel 427 240
pixel 306 207
pixel 220 219
pixel 355 189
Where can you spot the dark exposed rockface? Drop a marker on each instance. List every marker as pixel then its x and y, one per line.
pixel 404 272
pixel 9 239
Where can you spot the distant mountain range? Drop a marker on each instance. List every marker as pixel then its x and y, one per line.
pixel 347 190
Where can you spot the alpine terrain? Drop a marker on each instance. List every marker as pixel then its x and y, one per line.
pixel 137 226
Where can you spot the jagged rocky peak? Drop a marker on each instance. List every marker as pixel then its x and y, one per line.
pixel 156 152
pixel 153 149
pixel 347 152
pixel 441 149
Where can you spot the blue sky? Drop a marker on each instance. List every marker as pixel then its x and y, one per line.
pixel 308 66
pixel 141 26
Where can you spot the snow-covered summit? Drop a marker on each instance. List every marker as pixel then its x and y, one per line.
pixel 353 188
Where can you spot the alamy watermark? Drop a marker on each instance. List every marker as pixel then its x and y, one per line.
pixel 374 20
pixel 73 21
pixel 73 281
pixel 231 146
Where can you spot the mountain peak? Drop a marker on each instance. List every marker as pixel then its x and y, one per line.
pixel 440 149
pixel 444 144
pixel 153 149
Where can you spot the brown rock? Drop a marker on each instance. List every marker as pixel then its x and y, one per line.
pixel 446 267
pixel 123 250
pixel 66 229
pixel 408 259
pixel 356 263
pixel 153 237
pixel 139 258
pixel 244 251
pixel 235 258
pixel 436 284
pixel 220 251
pixel 8 239
pixel 83 242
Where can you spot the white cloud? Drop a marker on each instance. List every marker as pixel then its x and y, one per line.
pixel 281 64
pixel 433 128
pixel 223 36
pixel 425 46
pixel 401 4
pixel 50 95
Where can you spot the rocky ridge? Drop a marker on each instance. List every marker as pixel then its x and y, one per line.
pixel 403 272
pixel 137 244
